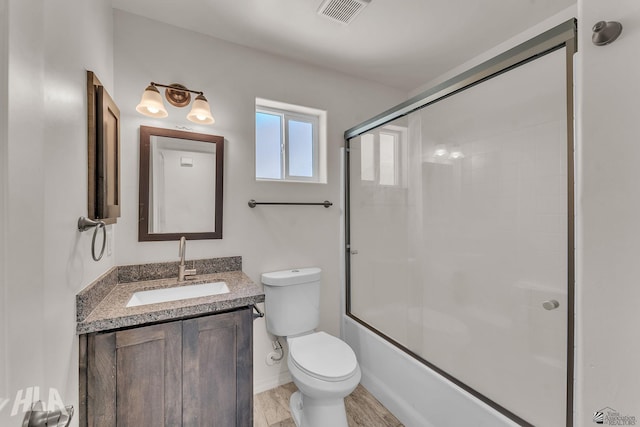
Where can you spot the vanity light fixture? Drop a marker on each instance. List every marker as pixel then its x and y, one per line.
pixel 151 104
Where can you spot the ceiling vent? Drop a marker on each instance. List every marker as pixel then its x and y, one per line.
pixel 343 11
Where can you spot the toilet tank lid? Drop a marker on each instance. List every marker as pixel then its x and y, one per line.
pixel 295 276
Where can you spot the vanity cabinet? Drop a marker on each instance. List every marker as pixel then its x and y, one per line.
pixel 192 372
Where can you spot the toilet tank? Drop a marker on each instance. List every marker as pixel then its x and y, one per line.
pixel 292 300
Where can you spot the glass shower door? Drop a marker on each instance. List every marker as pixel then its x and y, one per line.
pixel 459 234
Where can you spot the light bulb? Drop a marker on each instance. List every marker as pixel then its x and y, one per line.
pixel 200 111
pixel 151 104
pixel 440 151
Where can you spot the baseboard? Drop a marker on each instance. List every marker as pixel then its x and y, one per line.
pixel 271 382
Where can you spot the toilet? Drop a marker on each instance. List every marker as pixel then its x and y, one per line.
pixel 323 367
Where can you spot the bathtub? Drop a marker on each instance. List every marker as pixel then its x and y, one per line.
pixel 413 392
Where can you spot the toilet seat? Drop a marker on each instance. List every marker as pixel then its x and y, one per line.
pixel 322 356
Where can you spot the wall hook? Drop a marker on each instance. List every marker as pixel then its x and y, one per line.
pixel 605 32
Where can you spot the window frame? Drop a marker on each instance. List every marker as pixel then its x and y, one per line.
pixel 399 135
pixel 288 113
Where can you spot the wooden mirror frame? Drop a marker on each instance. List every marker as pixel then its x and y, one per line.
pixel 103 153
pixel 146 132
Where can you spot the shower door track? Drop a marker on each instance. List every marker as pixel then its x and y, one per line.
pixel 561 36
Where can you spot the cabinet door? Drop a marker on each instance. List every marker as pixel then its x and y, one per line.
pixel 217 370
pixel 147 363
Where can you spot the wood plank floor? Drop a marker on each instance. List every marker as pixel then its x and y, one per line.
pixel 271 409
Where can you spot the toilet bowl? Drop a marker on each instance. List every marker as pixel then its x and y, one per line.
pixel 325 370
pixel 323 367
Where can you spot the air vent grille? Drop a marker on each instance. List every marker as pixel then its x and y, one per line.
pixel 343 11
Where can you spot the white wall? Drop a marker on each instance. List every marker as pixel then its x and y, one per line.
pixel 547 24
pixel 49 47
pixel 267 237
pixel 608 208
pixel 24 238
pixel 78 37
pixel 4 136
pixel 45 48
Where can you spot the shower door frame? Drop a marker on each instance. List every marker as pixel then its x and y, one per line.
pixel 561 36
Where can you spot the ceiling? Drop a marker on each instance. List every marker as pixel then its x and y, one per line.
pixel 399 43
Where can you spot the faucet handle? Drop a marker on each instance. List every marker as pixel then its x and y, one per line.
pixel 190 273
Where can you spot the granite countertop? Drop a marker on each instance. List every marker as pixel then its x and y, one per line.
pixel 110 312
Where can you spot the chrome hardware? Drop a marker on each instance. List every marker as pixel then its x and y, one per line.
pixel 184 272
pixel 551 304
pixel 39 416
pixel 252 203
pixel 277 347
pixel 605 32
pixel 85 224
pixel 258 313
pixel 354 252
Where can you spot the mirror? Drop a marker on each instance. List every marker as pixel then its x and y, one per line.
pixel 103 151
pixel 180 185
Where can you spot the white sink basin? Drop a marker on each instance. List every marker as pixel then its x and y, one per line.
pixel 176 293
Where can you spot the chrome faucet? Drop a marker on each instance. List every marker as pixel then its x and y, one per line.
pixel 182 271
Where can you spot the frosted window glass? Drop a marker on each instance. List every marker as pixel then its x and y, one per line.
pixel 388 159
pixel 300 148
pixel 268 146
pixel 367 158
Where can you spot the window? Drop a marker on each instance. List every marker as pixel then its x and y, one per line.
pixel 380 156
pixel 367 157
pixel 388 158
pixel 290 142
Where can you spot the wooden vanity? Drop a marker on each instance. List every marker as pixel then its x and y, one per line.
pixel 186 362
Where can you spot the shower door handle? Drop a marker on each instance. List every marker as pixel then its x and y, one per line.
pixel 551 304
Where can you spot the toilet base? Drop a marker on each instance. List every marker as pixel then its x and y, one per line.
pixel 295 407
pixel 310 412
